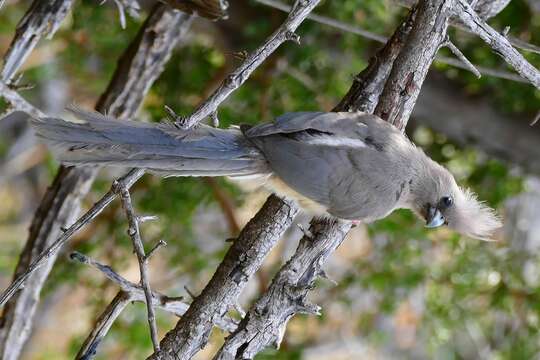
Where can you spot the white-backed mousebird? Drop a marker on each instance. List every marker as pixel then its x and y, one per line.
pixel 349 165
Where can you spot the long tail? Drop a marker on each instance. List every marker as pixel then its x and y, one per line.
pixel 161 148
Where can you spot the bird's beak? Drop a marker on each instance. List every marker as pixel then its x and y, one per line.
pixel 434 217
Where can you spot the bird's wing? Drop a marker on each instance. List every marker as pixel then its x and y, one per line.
pixel 300 121
pixel 337 129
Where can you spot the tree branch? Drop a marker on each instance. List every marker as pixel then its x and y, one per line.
pixel 17 103
pixel 485 9
pixel 286 31
pixel 42 19
pixel 221 293
pixel 354 29
pixel 412 64
pixel 266 321
pixel 499 43
pixel 132 7
pixel 60 205
pixel 368 85
pixel 129 292
pixel 134 233
pixel 210 9
pixel 50 252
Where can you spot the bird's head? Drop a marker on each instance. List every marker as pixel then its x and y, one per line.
pixel 440 201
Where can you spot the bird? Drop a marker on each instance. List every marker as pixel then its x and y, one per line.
pixel 348 165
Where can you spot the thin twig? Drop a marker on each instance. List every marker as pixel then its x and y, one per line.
pixel 17 103
pixel 353 29
pixel 535 120
pixel 128 180
pixel 129 292
pixel 299 12
pixel 160 244
pixel 497 42
pixel 454 49
pixel 134 233
pixel 242 260
pixel 132 7
pixel 102 325
pixel 174 305
pixel 487 9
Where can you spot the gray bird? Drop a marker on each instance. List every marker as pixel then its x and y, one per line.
pixel 349 165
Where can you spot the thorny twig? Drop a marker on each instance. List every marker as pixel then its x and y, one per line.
pixel 266 321
pixel 129 292
pixel 469 65
pixel 353 29
pixel 134 233
pixel 17 103
pixel 286 31
pixel 241 261
pixel 128 180
pixel 496 41
pixel 485 9
pixel 132 7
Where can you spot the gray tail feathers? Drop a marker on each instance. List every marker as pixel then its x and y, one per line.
pixel 162 148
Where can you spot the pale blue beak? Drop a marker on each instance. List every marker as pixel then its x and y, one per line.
pixel 434 218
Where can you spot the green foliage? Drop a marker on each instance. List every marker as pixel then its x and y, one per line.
pixel 466 283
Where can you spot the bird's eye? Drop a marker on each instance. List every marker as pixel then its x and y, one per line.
pixel 446 201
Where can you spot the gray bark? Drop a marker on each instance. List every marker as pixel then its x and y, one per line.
pixel 42 19
pixel 242 260
pixel 412 64
pixel 299 12
pixel 138 68
pixel 265 323
pixel 129 292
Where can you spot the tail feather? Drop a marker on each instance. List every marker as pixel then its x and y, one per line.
pixel 102 140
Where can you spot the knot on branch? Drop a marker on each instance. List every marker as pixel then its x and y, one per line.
pixel 232 81
pixel 292 36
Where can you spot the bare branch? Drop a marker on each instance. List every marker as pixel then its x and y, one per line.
pixel 497 42
pixel 42 19
pixel 413 62
pixel 61 203
pixel 210 9
pixel 17 103
pixel 468 65
pixel 485 9
pixel 129 179
pixel 501 74
pixel 265 322
pixel 384 40
pixel 241 261
pixel 129 292
pixel 135 235
pixel 535 120
pixel 368 85
pixel 104 322
pixel 300 11
pixel 159 245
pixel 132 7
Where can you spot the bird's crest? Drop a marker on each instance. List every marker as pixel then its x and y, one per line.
pixel 473 217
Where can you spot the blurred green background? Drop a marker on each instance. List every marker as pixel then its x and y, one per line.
pixel 402 292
